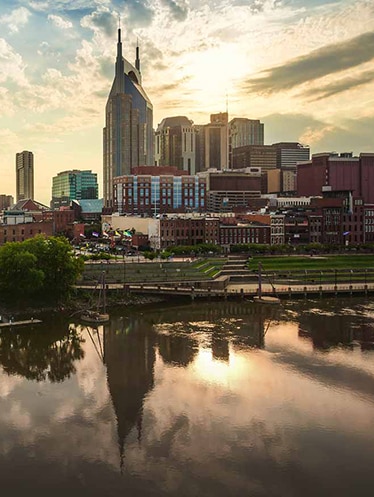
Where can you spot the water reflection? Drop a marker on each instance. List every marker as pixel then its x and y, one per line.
pixel 331 325
pixel 204 399
pixel 129 356
pixel 40 354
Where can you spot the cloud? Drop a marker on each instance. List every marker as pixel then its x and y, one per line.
pixel 340 86
pixel 11 65
pixel 139 14
pixel 340 135
pixel 16 19
pixel 59 22
pixel 101 20
pixel 317 64
pixel 179 10
pixel 39 6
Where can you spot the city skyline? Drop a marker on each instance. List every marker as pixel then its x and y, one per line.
pixel 292 64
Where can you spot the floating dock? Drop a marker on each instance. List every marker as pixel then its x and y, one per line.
pixel 25 322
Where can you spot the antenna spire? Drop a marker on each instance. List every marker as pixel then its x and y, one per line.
pixel 137 60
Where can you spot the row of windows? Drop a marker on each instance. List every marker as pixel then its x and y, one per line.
pixel 245 239
pixel 30 232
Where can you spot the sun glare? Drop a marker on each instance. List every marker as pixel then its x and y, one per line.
pixel 214 73
pixel 218 372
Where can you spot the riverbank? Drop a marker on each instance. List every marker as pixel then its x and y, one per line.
pixel 75 304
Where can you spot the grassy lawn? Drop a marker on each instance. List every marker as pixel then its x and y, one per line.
pixel 318 263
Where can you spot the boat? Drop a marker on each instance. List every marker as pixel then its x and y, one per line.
pixel 98 315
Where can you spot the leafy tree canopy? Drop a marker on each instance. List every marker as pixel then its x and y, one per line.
pixel 40 266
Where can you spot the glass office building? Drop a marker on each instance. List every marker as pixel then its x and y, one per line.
pixel 128 132
pixel 73 185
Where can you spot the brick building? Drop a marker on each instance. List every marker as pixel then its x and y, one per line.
pixel 21 232
pixel 338 172
pixel 152 195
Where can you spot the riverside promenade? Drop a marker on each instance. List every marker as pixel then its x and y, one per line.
pixel 227 290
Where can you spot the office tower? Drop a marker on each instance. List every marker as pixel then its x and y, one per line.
pixel 290 153
pixel 242 132
pixel 175 144
pixel 6 201
pixel 128 132
pixel 73 185
pixel 212 147
pixel 24 175
pixel 262 156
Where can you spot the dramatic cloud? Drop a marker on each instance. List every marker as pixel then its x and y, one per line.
pixel 340 86
pixel 319 63
pixel 347 134
pixel 57 64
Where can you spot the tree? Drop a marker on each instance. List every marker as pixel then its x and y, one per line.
pixel 20 276
pixel 41 267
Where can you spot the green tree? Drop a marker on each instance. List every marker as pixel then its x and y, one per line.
pixel 38 267
pixel 56 259
pixel 20 276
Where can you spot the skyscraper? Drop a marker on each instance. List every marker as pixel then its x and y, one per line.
pixel 212 143
pixel 24 175
pixel 242 132
pixel 128 132
pixel 175 144
pixel 73 185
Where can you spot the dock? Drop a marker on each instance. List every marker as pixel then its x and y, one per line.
pixel 25 322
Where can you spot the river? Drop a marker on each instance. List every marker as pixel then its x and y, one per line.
pixel 203 399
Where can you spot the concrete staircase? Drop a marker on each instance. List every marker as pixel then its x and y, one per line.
pixel 236 269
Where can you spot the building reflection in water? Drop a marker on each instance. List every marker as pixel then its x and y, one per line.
pixel 129 356
pixel 328 328
pixel 127 346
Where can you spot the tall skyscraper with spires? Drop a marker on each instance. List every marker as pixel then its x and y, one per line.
pixel 128 132
pixel 24 175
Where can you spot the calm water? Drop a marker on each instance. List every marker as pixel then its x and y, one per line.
pixel 202 400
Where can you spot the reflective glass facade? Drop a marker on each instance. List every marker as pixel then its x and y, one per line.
pixel 73 185
pixel 128 132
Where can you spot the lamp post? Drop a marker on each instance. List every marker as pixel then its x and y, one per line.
pixel 124 270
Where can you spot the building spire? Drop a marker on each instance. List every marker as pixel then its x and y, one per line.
pixel 120 66
pixel 137 60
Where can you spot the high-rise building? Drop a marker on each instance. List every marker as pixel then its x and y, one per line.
pixel 175 144
pixel 242 132
pixel 263 156
pixel 289 153
pixel 128 132
pixel 24 175
pixel 73 185
pixel 6 202
pixel 212 143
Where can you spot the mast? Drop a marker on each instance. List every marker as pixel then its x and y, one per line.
pixel 259 280
pixel 104 293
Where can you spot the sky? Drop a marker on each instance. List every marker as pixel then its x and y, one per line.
pixel 305 68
